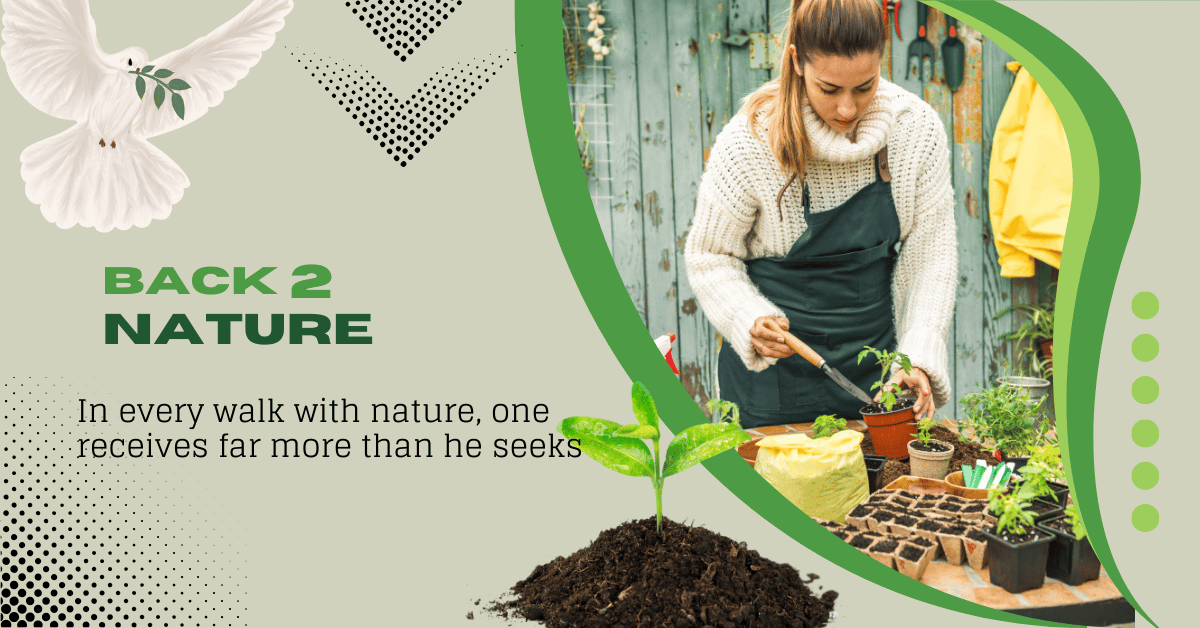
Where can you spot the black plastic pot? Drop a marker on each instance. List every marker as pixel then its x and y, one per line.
pixel 874 467
pixel 1071 560
pixel 1017 568
pixel 1056 510
pixel 1061 490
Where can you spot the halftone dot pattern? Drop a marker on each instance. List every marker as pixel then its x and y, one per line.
pixel 401 25
pixel 1145 433
pixel 402 126
pixel 1145 391
pixel 83 545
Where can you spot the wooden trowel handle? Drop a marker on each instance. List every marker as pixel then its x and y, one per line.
pixel 796 344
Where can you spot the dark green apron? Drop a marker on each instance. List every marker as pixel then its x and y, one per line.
pixel 834 285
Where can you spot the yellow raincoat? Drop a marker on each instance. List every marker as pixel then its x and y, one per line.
pixel 1030 180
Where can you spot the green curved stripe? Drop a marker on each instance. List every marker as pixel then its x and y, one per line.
pixel 548 120
pixel 1107 181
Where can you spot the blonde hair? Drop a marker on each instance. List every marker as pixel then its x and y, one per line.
pixel 845 28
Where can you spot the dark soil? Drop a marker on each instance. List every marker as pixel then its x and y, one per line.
pixel 906 521
pixel 953 530
pixel 975 534
pixel 948 507
pixel 911 553
pixel 878 408
pixel 907 495
pixel 899 501
pixel 1060 524
pixel 954 499
pixel 878 497
pixel 1016 539
pixel 862 541
pixel 1040 507
pixel 860 511
pixel 931 447
pixel 632 576
pixel 923 542
pixel 841 534
pixel 974 507
pixel 886 547
pixel 929 525
pixel 882 516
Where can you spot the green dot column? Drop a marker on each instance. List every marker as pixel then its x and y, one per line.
pixel 1145 432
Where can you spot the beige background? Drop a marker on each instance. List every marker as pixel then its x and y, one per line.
pixel 470 301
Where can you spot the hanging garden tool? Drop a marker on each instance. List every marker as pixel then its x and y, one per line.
pixel 892 9
pixel 920 48
pixel 954 55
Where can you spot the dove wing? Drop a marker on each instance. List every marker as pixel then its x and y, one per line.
pixel 52 54
pixel 212 65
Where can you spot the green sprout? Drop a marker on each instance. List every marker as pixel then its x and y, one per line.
pixel 827 425
pixel 620 447
pixel 720 408
pixel 924 427
pixel 1044 466
pixel 1011 509
pixel 1076 521
pixel 160 91
pixel 886 359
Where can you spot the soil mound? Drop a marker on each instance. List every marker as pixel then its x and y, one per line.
pixel 690 577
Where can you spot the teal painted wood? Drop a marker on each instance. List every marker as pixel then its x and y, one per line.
pixel 655 45
pixel 998 290
pixel 677 72
pixel 628 247
pixel 687 148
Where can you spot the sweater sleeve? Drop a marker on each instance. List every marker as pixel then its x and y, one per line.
pixel 715 252
pixel 926 271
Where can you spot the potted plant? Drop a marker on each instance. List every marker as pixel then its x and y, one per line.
pixel 620 447
pixel 827 425
pixel 1005 417
pixel 1017 550
pixel 1033 336
pixel 891 421
pixel 929 457
pixel 1037 482
pixel 1071 557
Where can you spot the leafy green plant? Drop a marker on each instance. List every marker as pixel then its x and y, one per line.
pixel 1076 521
pixel 1036 329
pixel 885 360
pixel 1005 417
pixel 620 447
pixel 1044 466
pixel 827 425
pixel 1011 509
pixel 174 86
pixel 720 408
pixel 924 427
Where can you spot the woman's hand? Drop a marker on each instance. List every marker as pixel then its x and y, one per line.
pixel 767 343
pixel 918 381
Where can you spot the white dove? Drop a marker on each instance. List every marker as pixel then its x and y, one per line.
pixel 102 172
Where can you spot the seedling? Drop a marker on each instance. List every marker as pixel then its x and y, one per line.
pixel 1076 521
pixel 620 447
pixel 1043 467
pixel 886 359
pixel 827 425
pixel 924 427
pixel 1011 510
pixel 719 409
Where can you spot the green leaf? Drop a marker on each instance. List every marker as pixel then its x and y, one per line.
pixel 147 69
pixel 141 87
pixel 637 431
pixel 178 85
pixel 699 443
pixel 162 73
pixel 160 95
pixel 628 456
pixel 643 406
pixel 177 105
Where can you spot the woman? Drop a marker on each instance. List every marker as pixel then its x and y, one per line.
pixel 826 208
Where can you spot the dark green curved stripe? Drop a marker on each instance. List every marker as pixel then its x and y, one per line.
pixel 1107 180
pixel 548 124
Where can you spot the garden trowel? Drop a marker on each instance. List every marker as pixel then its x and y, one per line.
pixel 816 360
pixel 953 55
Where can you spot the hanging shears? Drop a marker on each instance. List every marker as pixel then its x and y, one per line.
pixel 893 8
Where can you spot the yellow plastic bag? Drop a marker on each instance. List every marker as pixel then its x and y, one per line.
pixel 825 477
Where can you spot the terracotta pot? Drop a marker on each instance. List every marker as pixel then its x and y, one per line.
pixel 929 464
pixel 891 431
pixel 1047 348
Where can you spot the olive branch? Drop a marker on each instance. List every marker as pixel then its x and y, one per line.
pixel 160 91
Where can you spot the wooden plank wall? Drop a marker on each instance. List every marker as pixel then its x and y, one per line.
pixel 672 85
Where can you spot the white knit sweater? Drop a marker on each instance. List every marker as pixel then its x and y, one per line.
pixel 737 219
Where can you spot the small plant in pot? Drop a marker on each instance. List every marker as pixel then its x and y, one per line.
pixel 929 457
pixel 891 421
pixel 1037 482
pixel 827 425
pixel 1017 551
pixel 1071 558
pixel 1006 418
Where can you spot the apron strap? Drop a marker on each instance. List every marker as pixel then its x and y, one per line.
pixel 881 160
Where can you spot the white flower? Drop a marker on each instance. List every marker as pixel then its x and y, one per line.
pixel 592 42
pixel 603 50
pixel 599 57
pixel 596 47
